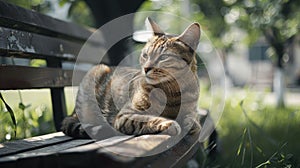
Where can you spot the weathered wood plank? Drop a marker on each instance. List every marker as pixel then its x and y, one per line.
pixel 112 152
pixel 13 147
pixel 30 45
pixel 35 77
pixel 133 151
pixel 95 146
pixel 123 151
pixel 135 147
pixel 48 150
pixel 31 21
pixel 178 155
pixel 23 44
pixel 175 156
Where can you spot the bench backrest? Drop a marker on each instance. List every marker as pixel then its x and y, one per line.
pixel 30 35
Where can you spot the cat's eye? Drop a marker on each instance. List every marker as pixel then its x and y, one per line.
pixel 164 57
pixel 144 55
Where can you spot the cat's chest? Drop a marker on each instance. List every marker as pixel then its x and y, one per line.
pixel 140 100
pixel 155 102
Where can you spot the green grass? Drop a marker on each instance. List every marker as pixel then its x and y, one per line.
pixel 254 134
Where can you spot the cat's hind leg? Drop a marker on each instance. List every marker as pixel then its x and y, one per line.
pixel 71 126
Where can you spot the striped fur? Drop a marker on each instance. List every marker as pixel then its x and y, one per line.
pixel 161 97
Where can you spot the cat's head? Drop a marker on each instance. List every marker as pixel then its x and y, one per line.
pixel 166 56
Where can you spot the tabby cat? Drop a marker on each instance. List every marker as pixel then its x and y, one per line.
pixel 160 97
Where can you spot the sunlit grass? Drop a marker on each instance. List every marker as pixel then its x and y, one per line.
pixel 255 134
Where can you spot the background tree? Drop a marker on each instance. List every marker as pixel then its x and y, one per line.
pixel 276 20
pixel 107 10
pixel 104 11
pixel 211 15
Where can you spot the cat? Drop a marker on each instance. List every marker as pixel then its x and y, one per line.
pixel 160 97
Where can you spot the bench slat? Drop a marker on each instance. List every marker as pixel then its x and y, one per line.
pixel 9 148
pixel 95 146
pixel 46 151
pixel 22 77
pixel 122 151
pixel 109 154
pixel 175 156
pixel 180 154
pixel 135 147
pixel 30 45
pixel 31 21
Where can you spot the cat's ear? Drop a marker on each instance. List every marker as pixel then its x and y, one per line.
pixel 152 26
pixel 191 36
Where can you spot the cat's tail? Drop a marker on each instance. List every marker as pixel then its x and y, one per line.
pixel 71 126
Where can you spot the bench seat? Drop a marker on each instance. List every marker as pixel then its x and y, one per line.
pixel 59 150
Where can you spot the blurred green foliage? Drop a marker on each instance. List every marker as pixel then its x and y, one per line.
pixel 78 11
pixel 228 23
pixel 167 23
pixel 208 13
pixel 31 121
pixel 278 21
pixel 254 134
pixel 38 63
pixel 28 4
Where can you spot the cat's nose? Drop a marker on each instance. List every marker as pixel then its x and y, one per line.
pixel 147 69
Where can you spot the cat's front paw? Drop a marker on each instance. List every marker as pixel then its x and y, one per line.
pixel 169 127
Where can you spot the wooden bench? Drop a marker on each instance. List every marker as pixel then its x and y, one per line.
pixel 29 35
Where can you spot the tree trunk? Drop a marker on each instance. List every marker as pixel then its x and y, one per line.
pixel 271 36
pixel 107 10
pixel 279 79
pixel 279 86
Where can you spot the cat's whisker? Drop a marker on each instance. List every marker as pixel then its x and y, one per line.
pixel 133 79
pixel 128 74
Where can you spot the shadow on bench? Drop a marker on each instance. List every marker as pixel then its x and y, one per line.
pixel 58 150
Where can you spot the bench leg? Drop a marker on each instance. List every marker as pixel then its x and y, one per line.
pixel 57 98
pixel 58 106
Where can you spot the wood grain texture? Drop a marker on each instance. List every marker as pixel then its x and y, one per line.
pixel 22 77
pixel 17 146
pixel 121 151
pixel 47 150
pixel 175 156
pixel 134 152
pixel 31 45
pixel 31 21
pixel 135 147
pixel 99 144
pixel 22 44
